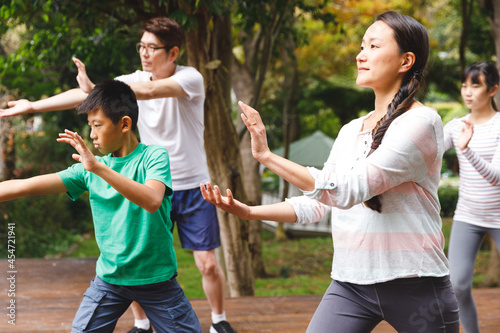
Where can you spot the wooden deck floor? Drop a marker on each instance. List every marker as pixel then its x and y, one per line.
pixel 48 293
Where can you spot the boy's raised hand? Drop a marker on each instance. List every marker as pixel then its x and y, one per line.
pixel 84 156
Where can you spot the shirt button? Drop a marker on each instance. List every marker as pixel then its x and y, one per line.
pixel 332 184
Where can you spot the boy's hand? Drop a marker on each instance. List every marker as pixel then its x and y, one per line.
pixel 18 107
pixel 90 163
pixel 83 79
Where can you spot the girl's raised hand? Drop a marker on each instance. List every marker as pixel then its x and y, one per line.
pixel 466 135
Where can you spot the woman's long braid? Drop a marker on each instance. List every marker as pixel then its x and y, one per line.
pixel 401 103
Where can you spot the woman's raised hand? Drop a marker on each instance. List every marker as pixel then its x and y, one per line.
pixel 253 122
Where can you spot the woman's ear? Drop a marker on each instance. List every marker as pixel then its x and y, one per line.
pixel 493 90
pixel 126 124
pixel 408 60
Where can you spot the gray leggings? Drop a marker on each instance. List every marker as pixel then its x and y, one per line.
pixel 465 241
pixel 410 305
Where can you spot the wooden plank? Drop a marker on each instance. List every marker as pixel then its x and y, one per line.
pixel 48 293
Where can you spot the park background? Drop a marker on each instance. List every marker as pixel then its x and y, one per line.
pixel 294 60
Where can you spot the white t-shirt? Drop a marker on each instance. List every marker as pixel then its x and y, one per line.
pixel 177 124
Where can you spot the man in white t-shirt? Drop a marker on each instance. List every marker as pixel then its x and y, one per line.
pixel 171 114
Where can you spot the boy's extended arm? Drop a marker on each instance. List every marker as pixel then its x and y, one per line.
pixel 148 196
pixel 39 185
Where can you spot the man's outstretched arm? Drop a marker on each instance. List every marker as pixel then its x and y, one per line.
pixel 63 101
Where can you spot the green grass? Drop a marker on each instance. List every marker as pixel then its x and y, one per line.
pixel 298 266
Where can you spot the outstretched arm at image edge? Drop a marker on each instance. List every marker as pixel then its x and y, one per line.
pixel 279 212
pixel 63 101
pixel 38 185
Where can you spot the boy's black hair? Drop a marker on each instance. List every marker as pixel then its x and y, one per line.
pixel 116 100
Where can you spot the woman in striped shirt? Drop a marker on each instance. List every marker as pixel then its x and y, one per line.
pixel 388 263
pixel 476 138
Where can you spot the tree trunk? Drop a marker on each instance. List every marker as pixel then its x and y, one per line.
pixel 492 275
pixel 466 14
pixel 244 88
pixel 221 143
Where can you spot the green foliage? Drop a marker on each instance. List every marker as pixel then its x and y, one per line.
pixel 448 197
pixel 44 226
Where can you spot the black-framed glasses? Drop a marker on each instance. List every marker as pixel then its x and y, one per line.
pixel 140 47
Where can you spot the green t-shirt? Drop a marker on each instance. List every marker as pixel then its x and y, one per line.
pixel 136 246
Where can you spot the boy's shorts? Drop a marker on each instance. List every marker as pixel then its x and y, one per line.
pixel 196 219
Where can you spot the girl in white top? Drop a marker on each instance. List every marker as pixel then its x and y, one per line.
pixel 388 260
pixel 476 138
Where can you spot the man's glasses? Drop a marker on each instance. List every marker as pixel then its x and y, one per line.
pixel 149 48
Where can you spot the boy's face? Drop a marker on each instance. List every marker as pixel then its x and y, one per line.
pixel 106 136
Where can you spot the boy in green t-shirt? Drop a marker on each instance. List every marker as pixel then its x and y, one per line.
pixel 129 193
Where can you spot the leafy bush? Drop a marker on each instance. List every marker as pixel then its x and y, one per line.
pixel 44 226
pixel 448 197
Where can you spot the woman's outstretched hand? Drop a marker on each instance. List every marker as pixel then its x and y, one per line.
pixel 229 204
pixel 253 122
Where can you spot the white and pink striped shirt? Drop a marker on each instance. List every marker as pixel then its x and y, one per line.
pixel 405 240
pixel 479 189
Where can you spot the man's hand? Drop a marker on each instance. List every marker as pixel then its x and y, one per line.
pixel 83 79
pixel 18 107
pixel 84 156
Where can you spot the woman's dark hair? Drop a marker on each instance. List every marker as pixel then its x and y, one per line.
pixel 411 36
pixel 168 31
pixel 490 73
pixel 116 100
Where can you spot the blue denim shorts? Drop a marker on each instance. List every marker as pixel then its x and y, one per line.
pixel 165 304
pixel 196 220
